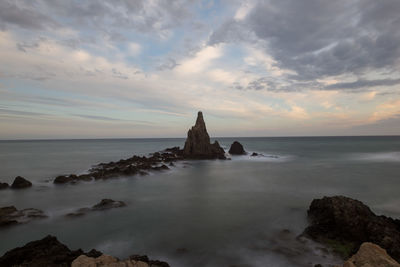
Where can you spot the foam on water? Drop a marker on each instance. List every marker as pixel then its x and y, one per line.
pixel 392 156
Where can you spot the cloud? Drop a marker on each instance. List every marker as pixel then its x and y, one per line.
pixel 364 84
pixel 316 39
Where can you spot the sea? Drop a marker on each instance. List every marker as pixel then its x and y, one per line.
pixel 246 211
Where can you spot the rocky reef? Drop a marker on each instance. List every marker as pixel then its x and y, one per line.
pixel 3 186
pixel 50 252
pixel 237 149
pixel 104 204
pixel 344 224
pixel 371 255
pixel 198 145
pixel 12 216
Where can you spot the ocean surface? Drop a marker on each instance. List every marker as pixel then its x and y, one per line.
pixel 247 211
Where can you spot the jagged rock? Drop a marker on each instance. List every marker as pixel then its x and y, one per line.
pixel 72 178
pixel 11 216
pixel 109 261
pixel 47 252
pixel 371 255
pixel 344 224
pixel 198 146
pixel 237 149
pixel 3 186
pixel 104 204
pixel 20 182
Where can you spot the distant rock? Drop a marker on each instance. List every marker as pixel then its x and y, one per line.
pixel 11 216
pixel 72 178
pixel 47 252
pixel 109 261
pixel 104 204
pixel 237 149
pixel 371 255
pixel 3 186
pixel 20 182
pixel 198 146
pixel 344 224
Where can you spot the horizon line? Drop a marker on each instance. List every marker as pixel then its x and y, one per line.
pixel 128 138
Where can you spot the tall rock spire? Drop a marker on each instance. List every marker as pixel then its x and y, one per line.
pixel 198 144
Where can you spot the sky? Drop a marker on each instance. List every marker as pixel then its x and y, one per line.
pixel 143 68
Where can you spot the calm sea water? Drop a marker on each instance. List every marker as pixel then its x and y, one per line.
pixel 200 213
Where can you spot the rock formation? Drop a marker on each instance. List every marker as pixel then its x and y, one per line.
pixel 3 186
pixel 20 182
pixel 109 261
pixel 104 204
pixel 198 146
pixel 237 149
pixel 371 255
pixel 47 252
pixel 11 216
pixel 344 224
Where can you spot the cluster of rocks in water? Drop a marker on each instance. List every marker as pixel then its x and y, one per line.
pixel 50 252
pixel 19 183
pixel 105 204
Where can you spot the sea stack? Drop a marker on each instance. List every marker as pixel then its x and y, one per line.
pixel 198 146
pixel 237 149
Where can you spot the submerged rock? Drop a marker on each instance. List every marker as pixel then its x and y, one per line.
pixel 47 252
pixel 20 182
pixel 11 216
pixel 198 146
pixel 3 186
pixel 344 224
pixel 254 154
pixel 104 204
pixel 237 149
pixel 371 255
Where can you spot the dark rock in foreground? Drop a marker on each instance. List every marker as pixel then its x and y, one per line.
pixel 237 149
pixel 104 204
pixel 198 146
pixel 109 261
pixel 344 224
pixel 20 182
pixel 11 216
pixel 3 186
pixel 47 252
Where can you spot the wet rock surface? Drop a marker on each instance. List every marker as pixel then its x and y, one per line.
pixel 20 182
pixel 371 255
pixel 12 216
pixel 104 204
pixel 344 224
pixel 109 261
pixel 237 149
pixel 47 252
pixel 198 146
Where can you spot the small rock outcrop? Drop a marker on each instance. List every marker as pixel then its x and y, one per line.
pixel 198 146
pixel 3 186
pixel 371 255
pixel 109 261
pixel 344 224
pixel 47 252
pixel 104 204
pixel 20 182
pixel 11 216
pixel 237 149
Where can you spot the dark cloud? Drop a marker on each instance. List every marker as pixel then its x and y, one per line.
pixel 108 17
pixel 169 64
pixel 318 39
pixel 104 118
pixel 25 15
pixel 364 83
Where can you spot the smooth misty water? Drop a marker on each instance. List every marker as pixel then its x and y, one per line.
pixel 200 213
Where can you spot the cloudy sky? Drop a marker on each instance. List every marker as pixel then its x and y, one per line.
pixel 143 68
